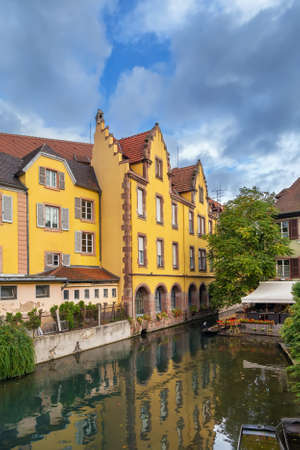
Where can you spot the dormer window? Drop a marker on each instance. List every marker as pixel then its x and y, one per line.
pixel 51 178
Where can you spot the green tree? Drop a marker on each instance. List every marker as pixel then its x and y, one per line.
pixel 245 245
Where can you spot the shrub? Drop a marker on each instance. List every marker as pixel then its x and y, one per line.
pixel 147 317
pixel 158 316
pixel 176 312
pixel 139 319
pixel 34 321
pixel 14 319
pixel 16 352
pixel 164 315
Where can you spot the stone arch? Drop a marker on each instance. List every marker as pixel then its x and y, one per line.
pixel 160 298
pixel 176 293
pixel 203 296
pixel 192 295
pixel 141 300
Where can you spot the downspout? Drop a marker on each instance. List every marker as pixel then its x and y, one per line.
pixel 27 232
pixel 184 272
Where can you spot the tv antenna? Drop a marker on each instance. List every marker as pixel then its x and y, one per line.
pixel 219 192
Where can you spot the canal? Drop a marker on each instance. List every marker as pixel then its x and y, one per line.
pixel 175 389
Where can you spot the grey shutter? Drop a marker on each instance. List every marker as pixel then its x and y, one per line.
pixel 42 175
pixel 7 209
pixel 64 218
pixel 77 208
pixel 48 260
pixel 78 245
pixel 65 260
pixel 61 180
pixel 40 216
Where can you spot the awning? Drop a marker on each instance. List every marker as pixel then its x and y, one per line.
pixel 271 292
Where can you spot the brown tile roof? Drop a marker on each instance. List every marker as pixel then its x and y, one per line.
pixel 133 146
pixel 289 199
pixel 78 274
pixel 214 205
pixel 182 178
pixel 20 145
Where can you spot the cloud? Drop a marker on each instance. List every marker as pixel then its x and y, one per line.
pixel 52 54
pixel 136 98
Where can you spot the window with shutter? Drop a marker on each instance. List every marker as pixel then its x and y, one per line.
pixel 294 262
pixel 42 176
pixel 40 215
pixel 65 219
pixel 77 208
pixel 293 229
pixel 7 209
pixel 77 241
pixel 61 180
pixel 66 260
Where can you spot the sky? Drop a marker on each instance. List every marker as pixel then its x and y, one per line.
pixel 222 79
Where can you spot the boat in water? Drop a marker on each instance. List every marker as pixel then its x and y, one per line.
pixel 286 436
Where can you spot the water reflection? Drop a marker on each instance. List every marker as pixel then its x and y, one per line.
pixel 174 389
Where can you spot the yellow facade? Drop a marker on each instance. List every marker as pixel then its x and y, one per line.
pixel 9 236
pixel 44 240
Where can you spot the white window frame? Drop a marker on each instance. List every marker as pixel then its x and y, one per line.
pixel 158 203
pixel 50 213
pixel 141 250
pixel 85 236
pixel 285 268
pixel 159 253
pixel 282 226
pixel 51 178
pixel 87 209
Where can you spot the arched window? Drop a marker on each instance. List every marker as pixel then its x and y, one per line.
pixel 203 296
pixel 158 299
pixel 173 297
pixel 139 301
pixel 192 295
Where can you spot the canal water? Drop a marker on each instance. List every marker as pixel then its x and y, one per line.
pixel 175 389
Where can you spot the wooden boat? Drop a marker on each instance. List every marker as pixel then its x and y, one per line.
pixel 255 437
pixel 286 436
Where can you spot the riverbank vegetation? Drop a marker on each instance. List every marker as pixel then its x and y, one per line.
pixel 244 246
pixel 291 336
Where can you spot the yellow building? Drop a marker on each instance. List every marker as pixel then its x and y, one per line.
pixel 153 222
pixel 50 226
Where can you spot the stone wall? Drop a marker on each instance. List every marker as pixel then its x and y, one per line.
pixel 56 346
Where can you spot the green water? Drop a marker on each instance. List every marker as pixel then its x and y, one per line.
pixel 176 389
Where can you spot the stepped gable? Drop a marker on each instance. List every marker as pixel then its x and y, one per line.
pixel 20 145
pixel 183 177
pixel 288 200
pixel 82 274
pixel 133 147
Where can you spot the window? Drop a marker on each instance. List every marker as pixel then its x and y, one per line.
pixel 201 260
pixel 201 225
pixel 191 222
pixel 76 294
pixel 210 226
pixel 141 251
pixel 284 229
pixel 192 258
pixel 160 252
pixel 52 217
pixel 114 292
pixel 96 293
pixel 87 242
pixel 52 259
pixel 42 290
pixel 173 298
pixel 175 255
pixel 141 202
pixel 8 292
pixel 66 294
pixel 84 209
pixel 158 168
pixel 86 293
pixel 174 215
pixel 51 178
pixel 201 195
pixel 105 293
pixel 7 208
pixel 159 209
pixel 283 268
pixel 158 299
pixel 139 302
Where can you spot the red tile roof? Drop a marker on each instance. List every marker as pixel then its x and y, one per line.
pixel 19 145
pixel 82 274
pixel 289 199
pixel 133 146
pixel 182 178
